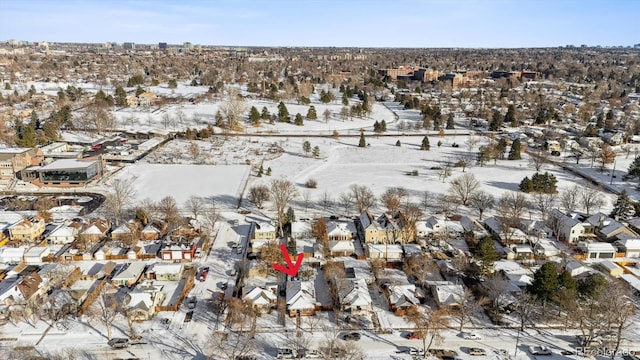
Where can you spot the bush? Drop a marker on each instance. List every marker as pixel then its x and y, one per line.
pixel 311 184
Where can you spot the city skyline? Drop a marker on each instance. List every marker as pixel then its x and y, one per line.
pixel 413 23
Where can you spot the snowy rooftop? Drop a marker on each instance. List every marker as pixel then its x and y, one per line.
pixel 67 164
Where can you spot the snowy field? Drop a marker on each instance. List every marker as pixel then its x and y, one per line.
pixel 155 181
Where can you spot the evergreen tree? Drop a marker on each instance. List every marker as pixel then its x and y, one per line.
pixel 545 282
pixel 363 142
pixel 510 116
pixel 634 168
pixel 436 123
pixel 268 173
pixel 398 143
pixel 264 115
pixel 485 251
pixel 254 116
pixel 526 185
pixel 316 151
pixel 566 281
pixel 139 90
pixel 311 113
pixel 376 127
pixel 260 171
pixel 121 97
pixel 450 122
pixel 439 143
pixel 623 208
pixel 290 216
pixel 514 153
pixel 283 113
pixel 345 99
pixel 27 136
pixel 306 147
pixel 425 144
pixel 383 126
pixel 496 121
pixel 298 120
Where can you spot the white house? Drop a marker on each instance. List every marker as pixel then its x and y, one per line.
pixel 338 231
pixel 63 234
pixel 342 248
pixel 392 252
pixel 576 268
pixel 402 296
pixel 598 250
pixel 447 294
pixel 631 247
pixel 261 298
pixel 130 275
pixel 354 296
pixel 300 229
pixel 11 255
pixel 567 228
pixel 546 248
pixel 35 254
pixel 301 298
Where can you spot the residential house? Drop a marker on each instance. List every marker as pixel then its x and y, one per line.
pixel 386 229
pixel 520 252
pixel 630 247
pixel 506 234
pixel 95 230
pixel 567 228
pixel 391 252
pixel 130 275
pixel 184 250
pixel 611 268
pixel 262 231
pixel 126 232
pixel 36 254
pixel 142 302
pixel 261 298
pixel 608 229
pixel 150 232
pixel 598 250
pixel 354 296
pixel 447 294
pixel 470 225
pixel 63 234
pixel 546 248
pixel 10 255
pixel 576 268
pixel 341 231
pixel 402 297
pixel 301 298
pixel 30 285
pixel 342 248
pixel 166 271
pixel 27 229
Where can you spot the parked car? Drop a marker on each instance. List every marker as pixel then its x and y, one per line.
pixel 477 352
pixel 501 352
pixel 352 336
pixel 189 316
pixel 416 352
pixel 312 354
pixel 539 350
pixel 413 335
pixel 118 343
pixel 471 336
pixel 246 357
pixel 286 353
pixel 191 304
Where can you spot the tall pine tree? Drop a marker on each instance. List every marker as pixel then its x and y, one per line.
pixel 363 142
pixel 514 153
pixel 425 144
pixel 623 208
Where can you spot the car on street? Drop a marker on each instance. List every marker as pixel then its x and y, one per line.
pixel 189 316
pixel 355 336
pixel 413 335
pixel 539 350
pixel 416 352
pixel 501 352
pixel 118 343
pixel 191 304
pixel 312 354
pixel 471 336
pixel 286 353
pixel 477 352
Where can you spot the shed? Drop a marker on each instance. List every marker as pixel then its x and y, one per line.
pixel 611 268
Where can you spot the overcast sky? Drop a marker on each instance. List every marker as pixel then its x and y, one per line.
pixel 359 23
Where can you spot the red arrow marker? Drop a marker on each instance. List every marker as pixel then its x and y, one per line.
pixel 291 269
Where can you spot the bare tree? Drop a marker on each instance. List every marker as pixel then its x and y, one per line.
pixel 363 197
pixel 282 192
pixel 422 267
pixel 544 203
pixel 525 307
pixel 444 171
pixel 119 198
pixel 346 200
pixel 448 204
pixel 258 195
pixel 326 115
pixel 167 208
pixel 472 142
pixel 325 201
pixel 427 198
pixel 464 160
pixel 468 305
pixel 570 198
pixel 463 187
pixel 622 309
pixel 590 198
pixel 195 205
pixel 194 150
pixel 411 213
pixel 607 156
pixel 482 201
pixel 233 108
pixel 106 308
pixel 306 199
pixel 538 159
pixel 428 323
pixel 392 198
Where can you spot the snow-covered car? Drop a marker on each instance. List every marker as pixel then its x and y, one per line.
pixel 312 354
pixel 118 343
pixel 351 336
pixel 417 352
pixel 471 336
pixel 539 350
pixel 477 352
